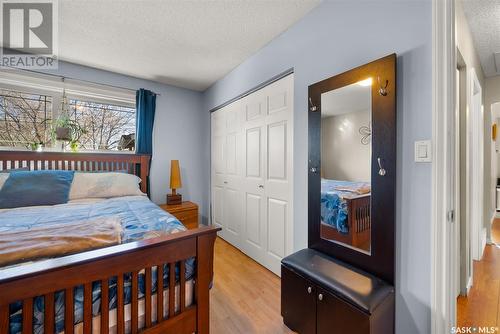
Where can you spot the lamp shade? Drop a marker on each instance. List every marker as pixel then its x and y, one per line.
pixel 175 175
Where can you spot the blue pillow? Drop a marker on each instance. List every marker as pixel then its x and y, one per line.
pixel 41 187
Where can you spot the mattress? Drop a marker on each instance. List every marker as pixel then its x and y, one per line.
pixel 333 202
pixel 140 219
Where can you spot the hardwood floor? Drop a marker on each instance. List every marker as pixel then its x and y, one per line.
pixel 245 297
pixel 482 306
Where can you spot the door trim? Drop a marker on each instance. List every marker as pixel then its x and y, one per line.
pixel 254 89
pixel 443 301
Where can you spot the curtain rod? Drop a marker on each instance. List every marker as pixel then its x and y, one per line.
pixel 87 81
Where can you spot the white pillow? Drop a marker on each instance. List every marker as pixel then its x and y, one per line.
pixel 3 178
pixel 104 185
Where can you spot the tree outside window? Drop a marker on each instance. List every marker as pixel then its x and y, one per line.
pixel 28 121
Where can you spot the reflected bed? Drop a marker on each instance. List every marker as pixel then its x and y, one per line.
pixel 345 212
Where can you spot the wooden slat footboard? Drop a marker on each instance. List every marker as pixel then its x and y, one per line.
pixel 359 216
pixel 359 223
pixel 47 277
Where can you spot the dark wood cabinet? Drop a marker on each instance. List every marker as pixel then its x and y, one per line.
pixel 320 295
pixel 298 302
pixel 335 316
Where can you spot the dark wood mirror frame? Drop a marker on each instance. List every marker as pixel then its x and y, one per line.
pixel 381 261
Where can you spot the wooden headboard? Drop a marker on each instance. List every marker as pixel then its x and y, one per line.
pixel 137 164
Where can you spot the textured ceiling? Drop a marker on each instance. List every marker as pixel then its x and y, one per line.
pixel 483 17
pixel 189 44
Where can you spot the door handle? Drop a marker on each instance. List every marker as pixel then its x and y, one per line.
pixel 261 186
pixel 313 170
pixel 225 182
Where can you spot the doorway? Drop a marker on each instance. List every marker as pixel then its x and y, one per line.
pixel 469 168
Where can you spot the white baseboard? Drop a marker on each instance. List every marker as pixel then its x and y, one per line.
pixel 488 235
pixel 483 241
pixel 469 285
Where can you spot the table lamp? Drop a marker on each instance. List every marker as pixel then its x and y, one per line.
pixel 175 183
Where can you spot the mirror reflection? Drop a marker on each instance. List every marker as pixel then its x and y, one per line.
pixel 346 149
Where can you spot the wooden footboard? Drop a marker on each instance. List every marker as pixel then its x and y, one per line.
pixel 359 222
pixel 45 278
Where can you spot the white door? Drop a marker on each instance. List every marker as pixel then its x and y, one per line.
pixel 267 179
pixel 252 156
pixel 475 130
pixel 232 181
pixel 478 167
pixel 226 195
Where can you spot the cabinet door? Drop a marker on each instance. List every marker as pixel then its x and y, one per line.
pixel 298 302
pixel 334 316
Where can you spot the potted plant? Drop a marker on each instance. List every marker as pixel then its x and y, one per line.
pixel 68 130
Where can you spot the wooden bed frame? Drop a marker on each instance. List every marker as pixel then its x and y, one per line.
pixel 46 277
pixel 359 222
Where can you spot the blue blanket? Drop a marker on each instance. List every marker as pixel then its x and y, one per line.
pixel 140 219
pixel 333 203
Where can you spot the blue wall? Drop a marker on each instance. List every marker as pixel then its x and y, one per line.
pixel 180 129
pixel 332 38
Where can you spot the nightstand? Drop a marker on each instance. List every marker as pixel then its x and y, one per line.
pixel 186 212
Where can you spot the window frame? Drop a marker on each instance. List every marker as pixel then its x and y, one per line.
pixel 28 82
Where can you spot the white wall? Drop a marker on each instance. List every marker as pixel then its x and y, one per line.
pixel 343 156
pixel 332 38
pixel 180 129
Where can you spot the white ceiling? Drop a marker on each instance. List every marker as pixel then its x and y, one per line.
pixel 352 98
pixel 189 44
pixel 483 17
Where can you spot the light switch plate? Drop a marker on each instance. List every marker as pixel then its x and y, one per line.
pixel 423 151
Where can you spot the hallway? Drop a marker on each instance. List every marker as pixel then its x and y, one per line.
pixel 482 306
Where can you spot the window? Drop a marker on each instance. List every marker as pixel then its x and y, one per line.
pixel 24 119
pixel 105 126
pixel 96 117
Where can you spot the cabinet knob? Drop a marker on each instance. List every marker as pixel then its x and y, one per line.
pixel 225 182
pixel 261 186
pixel 309 289
pixel 320 296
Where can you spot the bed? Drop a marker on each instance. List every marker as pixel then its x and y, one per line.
pixel 136 276
pixel 345 212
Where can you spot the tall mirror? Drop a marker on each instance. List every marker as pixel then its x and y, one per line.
pixel 352 166
pixel 346 154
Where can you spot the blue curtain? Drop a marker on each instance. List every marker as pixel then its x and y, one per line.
pixel 145 102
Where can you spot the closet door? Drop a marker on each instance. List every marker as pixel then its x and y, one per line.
pixel 252 156
pixel 232 205
pixel 254 241
pixel 226 172
pixel 218 170
pixel 267 184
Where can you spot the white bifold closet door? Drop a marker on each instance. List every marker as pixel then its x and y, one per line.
pixel 252 157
